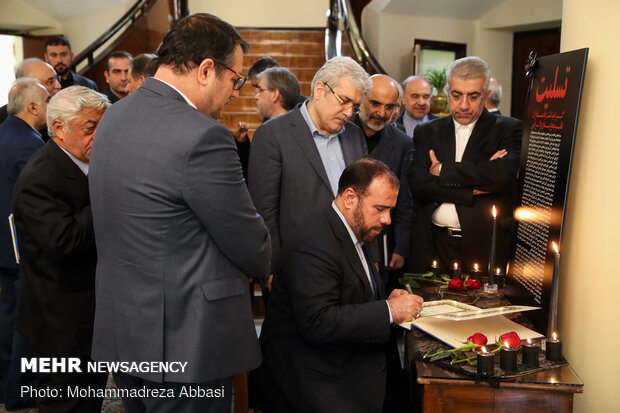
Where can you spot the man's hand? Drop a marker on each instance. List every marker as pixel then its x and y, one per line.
pixel 396 262
pixel 404 306
pixel 435 168
pixel 499 154
pixel 241 133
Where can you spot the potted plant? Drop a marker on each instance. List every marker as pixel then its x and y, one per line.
pixel 438 81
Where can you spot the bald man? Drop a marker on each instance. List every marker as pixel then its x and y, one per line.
pixel 417 101
pixel 394 148
pixel 45 74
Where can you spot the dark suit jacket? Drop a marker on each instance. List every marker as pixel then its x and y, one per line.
pixel 400 124
pixel 457 182
pixel 18 141
pixel 395 149
pixel 177 237
pixel 57 244
pixel 287 179
pixel 78 80
pixel 324 336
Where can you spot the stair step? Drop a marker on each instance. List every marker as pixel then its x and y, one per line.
pixel 258 36
pixel 288 49
pixel 288 61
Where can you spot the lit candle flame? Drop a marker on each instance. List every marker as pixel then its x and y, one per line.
pixel 456 265
pixel 555 247
pixel 555 336
pixel 494 212
pixel 497 271
pixel 484 349
pixel 434 263
pixel 507 346
pixel 475 267
pixel 529 341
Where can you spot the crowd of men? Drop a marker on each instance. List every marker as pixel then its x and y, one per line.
pixel 140 245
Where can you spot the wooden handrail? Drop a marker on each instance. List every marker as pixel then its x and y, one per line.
pixel 137 11
pixel 339 17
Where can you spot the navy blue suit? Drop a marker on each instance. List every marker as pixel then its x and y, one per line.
pixel 18 142
pixel 78 80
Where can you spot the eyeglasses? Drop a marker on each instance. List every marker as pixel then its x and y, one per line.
pixel 472 97
pixel 240 80
pixel 258 89
pixel 346 104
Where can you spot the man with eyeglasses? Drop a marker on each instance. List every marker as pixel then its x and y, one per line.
pixel 177 234
pixel 463 164
pixel 296 159
pixel 45 74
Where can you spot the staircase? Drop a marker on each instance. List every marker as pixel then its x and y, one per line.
pixel 301 51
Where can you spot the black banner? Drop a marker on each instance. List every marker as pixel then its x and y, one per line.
pixel 550 126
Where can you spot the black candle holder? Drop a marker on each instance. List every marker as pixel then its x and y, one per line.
pixel 508 358
pixel 485 363
pixel 553 349
pixel 529 354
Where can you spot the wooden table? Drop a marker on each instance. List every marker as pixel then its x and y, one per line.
pixel 445 391
pixel 441 390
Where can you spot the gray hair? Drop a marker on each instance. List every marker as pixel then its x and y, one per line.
pixel 496 93
pixel 22 68
pixel 283 80
pixel 414 77
pixel 471 67
pixel 336 68
pixel 23 91
pixel 401 93
pixel 69 102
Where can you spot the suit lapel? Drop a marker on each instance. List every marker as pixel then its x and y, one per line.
pixel 300 133
pixel 68 168
pixel 447 140
pixel 386 146
pixel 348 248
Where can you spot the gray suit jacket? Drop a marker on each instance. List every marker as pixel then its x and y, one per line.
pixel 286 176
pixel 177 236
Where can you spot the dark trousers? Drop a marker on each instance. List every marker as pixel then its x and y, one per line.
pixel 447 250
pixel 12 346
pixel 178 403
pixel 62 381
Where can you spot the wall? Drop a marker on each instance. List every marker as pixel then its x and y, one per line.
pixel 390 37
pixel 265 13
pixel 590 280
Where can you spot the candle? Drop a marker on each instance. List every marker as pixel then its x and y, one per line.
pixel 475 274
pixel 456 271
pixel 492 260
pixel 553 348
pixel 508 357
pixel 553 299
pixel 486 362
pixel 435 267
pixel 529 353
pixel 501 279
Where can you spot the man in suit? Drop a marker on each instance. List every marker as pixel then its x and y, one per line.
pixel 417 101
pixel 463 164
pixel 117 75
pixel 394 148
pixel 45 74
pixel 327 326
pixel 19 139
pixel 177 233
pixel 59 55
pixel 54 228
pixel 297 158
pixel 495 97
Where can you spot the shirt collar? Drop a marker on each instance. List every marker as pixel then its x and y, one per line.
pixel 346 224
pixel 313 129
pixel 80 164
pixel 418 120
pixel 469 126
pixel 189 102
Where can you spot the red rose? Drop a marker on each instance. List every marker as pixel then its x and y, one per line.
pixel 511 338
pixel 478 338
pixel 473 285
pixel 455 284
